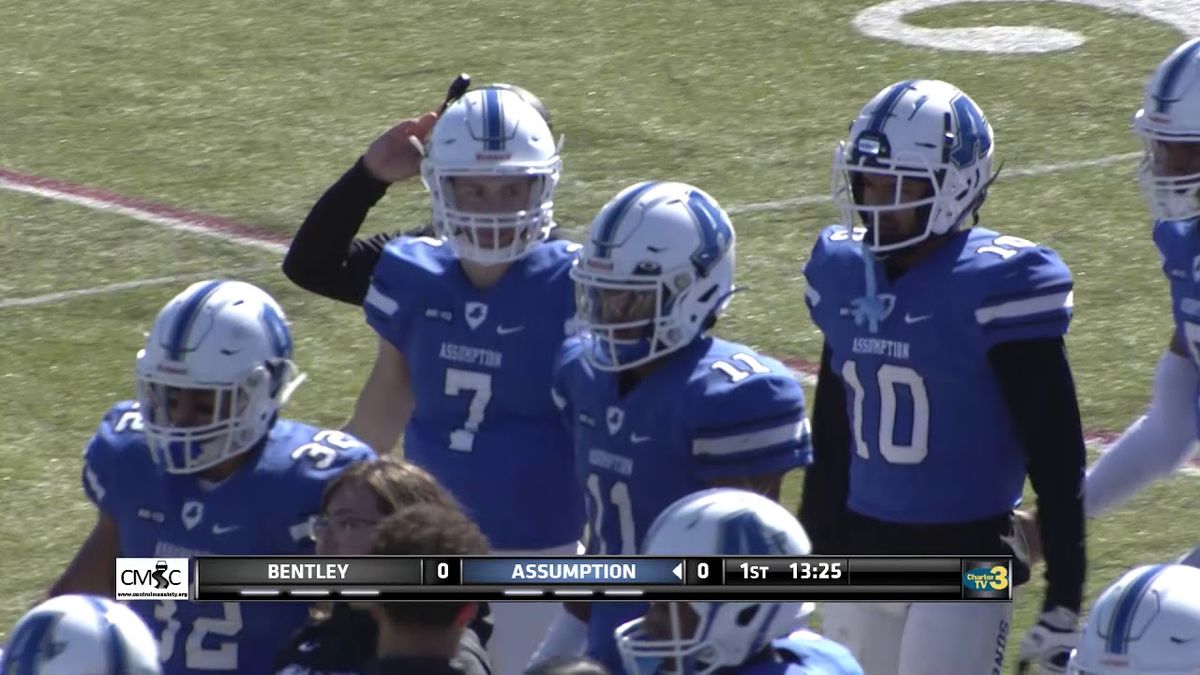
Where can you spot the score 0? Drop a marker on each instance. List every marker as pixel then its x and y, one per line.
pixel 705 572
pixel 442 571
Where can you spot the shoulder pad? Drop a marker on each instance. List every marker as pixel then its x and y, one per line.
pixel 1019 290
pixel 744 403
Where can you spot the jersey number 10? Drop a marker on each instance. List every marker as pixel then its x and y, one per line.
pixel 889 378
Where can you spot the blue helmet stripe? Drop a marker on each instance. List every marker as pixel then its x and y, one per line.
pixel 608 230
pixel 883 111
pixel 493 120
pixel 186 317
pixel 1176 63
pixel 117 659
pixel 1122 619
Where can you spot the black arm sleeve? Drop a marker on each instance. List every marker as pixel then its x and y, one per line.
pixel 1035 379
pixel 826 480
pixel 322 258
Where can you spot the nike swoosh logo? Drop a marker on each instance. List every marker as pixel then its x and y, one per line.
pixel 909 318
pixel 507 330
pixel 217 529
pixel 634 438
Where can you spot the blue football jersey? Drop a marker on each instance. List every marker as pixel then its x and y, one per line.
pixel 481 364
pixel 933 440
pixel 1179 243
pixel 713 409
pixel 262 509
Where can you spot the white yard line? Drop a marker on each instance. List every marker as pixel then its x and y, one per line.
pixel 48 298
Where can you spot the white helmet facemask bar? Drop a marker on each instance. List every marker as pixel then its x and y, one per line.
pixel 848 191
pixel 1170 197
pixel 489 238
pixel 241 415
pixel 680 655
pixel 631 320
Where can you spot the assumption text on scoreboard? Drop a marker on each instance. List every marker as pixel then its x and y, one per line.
pixel 617 578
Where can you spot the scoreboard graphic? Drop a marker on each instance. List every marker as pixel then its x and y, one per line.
pixel 588 578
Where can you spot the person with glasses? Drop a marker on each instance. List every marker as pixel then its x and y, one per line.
pixel 340 637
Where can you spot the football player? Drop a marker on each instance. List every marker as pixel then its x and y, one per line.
pixel 1146 623
pixel 469 324
pixel 1169 125
pixel 658 408
pixel 944 380
pixel 201 464
pixel 749 638
pixel 74 634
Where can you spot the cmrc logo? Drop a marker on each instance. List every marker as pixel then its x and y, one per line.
pixel 153 578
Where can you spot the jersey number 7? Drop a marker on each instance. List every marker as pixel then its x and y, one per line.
pixel 480 384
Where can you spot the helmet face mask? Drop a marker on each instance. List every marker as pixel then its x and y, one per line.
pixel 491 169
pixel 667 639
pixel 1169 177
pixel 892 203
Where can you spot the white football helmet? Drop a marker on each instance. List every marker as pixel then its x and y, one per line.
pixel 916 130
pixel 1169 125
pixel 1147 623
pixel 81 635
pixel 228 342
pixel 656 270
pixel 487 133
pixel 725 522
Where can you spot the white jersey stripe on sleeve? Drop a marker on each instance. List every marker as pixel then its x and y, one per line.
pixel 381 302
pixel 1015 309
pixel 753 440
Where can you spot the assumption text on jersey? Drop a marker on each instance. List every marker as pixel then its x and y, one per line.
pixel 879 347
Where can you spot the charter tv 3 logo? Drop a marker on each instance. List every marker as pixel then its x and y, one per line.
pixel 153 578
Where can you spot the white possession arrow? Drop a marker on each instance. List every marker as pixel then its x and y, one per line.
pixel 678 571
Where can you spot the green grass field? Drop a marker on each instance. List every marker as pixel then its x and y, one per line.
pixel 248 111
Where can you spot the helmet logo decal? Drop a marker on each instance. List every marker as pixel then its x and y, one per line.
pixel 715 232
pixel 972 140
pixel 281 338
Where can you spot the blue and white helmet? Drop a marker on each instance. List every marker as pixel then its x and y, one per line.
pixel 228 340
pixel 491 132
pixel 1169 117
pixel 80 635
pixel 1147 623
pixel 656 269
pixel 718 522
pixel 925 130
